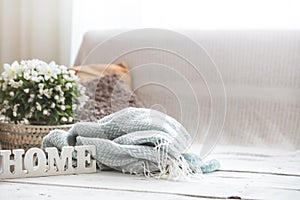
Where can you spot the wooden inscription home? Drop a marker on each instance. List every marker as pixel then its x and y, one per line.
pixel 35 162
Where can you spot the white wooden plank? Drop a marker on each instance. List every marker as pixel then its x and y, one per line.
pixel 249 159
pixel 16 191
pixel 217 185
pixel 267 184
pixel 259 180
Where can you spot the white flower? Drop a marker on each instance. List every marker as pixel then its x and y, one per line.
pixel 41 91
pixel 72 73
pixel 38 64
pixel 2 111
pixel 47 93
pixel 64 69
pixel 11 94
pixel 11 82
pixel 35 79
pixel 27 75
pixel 71 119
pixel 38 106
pixel 68 86
pixel 52 105
pixel 26 90
pixel 4 86
pixel 15 85
pixel 62 100
pixel 50 70
pixel 29 115
pixel 64 119
pixel 62 107
pixel 15 108
pixel 67 77
pixel 40 78
pixel 41 85
pixel 58 88
pixel 45 112
pixel 56 97
pixel 34 74
pixel 31 97
pixel 12 71
pixel 5 102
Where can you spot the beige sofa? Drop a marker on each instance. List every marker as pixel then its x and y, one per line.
pixel 260 72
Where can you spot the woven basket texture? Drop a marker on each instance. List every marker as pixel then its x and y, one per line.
pixel 17 136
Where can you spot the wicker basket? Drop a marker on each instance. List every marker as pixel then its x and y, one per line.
pixel 13 136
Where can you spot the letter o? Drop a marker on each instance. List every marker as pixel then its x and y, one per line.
pixel 29 161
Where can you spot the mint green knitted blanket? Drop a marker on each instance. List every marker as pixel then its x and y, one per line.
pixel 137 141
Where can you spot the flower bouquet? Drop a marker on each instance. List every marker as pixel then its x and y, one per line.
pixel 33 92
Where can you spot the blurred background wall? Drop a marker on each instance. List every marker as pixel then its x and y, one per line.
pixel 35 29
pixel 53 29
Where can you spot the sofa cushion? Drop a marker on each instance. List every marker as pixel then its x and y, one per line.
pixel 108 87
pixel 92 71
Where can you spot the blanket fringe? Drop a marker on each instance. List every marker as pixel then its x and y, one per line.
pixel 170 168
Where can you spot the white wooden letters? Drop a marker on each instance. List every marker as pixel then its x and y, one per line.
pixel 36 163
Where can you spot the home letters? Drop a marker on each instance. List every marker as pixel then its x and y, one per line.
pixel 14 164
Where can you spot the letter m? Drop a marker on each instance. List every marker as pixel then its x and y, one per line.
pixel 60 164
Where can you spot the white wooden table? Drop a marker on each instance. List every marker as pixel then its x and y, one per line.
pixel 246 173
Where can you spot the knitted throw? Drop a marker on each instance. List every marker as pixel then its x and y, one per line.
pixel 137 141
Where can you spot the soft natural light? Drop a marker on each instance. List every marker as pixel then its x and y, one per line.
pixel 201 14
pixel 183 14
